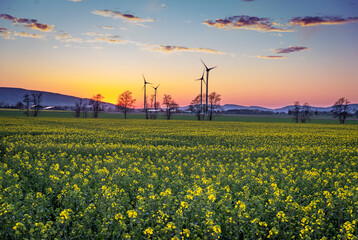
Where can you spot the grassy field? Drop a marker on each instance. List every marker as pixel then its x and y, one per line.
pixel 70 178
pixel 161 116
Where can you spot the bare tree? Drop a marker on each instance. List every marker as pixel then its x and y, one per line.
pixel 341 109
pixel 36 98
pixel 125 101
pixel 305 113
pixel 170 104
pixel 296 111
pixel 96 102
pixel 214 104
pixel 196 106
pixel 27 101
pixel 78 107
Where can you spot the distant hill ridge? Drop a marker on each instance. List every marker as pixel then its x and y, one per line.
pixel 11 96
pixel 285 109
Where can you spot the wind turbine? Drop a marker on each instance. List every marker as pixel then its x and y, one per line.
pixel 207 84
pixel 145 97
pixel 155 97
pixel 201 91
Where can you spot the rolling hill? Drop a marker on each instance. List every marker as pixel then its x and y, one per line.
pixel 11 96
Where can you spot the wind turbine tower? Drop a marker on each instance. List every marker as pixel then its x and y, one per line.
pixel 201 92
pixel 155 97
pixel 145 97
pixel 207 84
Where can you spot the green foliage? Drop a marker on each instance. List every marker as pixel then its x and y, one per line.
pixel 137 179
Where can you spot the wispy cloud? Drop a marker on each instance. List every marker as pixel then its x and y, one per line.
pixel 172 49
pixel 28 35
pixel 8 34
pixel 93 34
pixel 63 36
pixel 100 37
pixel 66 37
pixel 108 27
pixel 115 39
pixel 28 23
pixel 168 48
pixel 207 50
pixel 3 30
pixel 75 0
pixel 5 33
pixel 289 49
pixel 75 40
pixel 246 22
pixel 117 14
pixel 113 36
pixel 110 40
pixel 312 21
pixel 271 57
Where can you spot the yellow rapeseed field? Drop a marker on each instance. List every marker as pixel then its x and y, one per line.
pixel 146 179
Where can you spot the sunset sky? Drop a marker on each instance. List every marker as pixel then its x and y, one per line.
pixel 269 53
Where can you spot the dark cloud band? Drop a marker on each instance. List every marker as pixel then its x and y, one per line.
pixel 289 49
pixel 246 22
pixel 271 57
pixel 312 21
pixel 170 49
pixel 29 23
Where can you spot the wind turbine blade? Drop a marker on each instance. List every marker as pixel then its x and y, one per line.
pixel 204 64
pixel 158 86
pixel 213 68
pixel 202 76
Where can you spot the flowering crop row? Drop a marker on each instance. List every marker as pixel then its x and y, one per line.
pixel 137 179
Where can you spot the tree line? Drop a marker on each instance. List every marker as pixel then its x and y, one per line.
pixel 169 106
pixel 31 103
pixel 302 113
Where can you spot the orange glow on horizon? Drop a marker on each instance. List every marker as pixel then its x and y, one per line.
pixel 265 84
